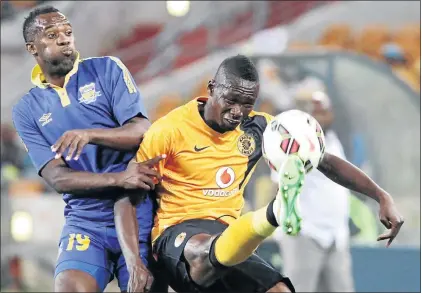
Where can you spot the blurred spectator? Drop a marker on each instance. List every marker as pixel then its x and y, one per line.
pixel 11 157
pixel 319 259
pixel 395 56
pixel 9 147
pixel 275 89
pixel 7 10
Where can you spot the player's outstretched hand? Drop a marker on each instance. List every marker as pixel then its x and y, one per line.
pixel 391 219
pixel 141 175
pixel 73 141
pixel 140 279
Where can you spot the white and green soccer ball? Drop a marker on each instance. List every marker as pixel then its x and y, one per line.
pixel 293 132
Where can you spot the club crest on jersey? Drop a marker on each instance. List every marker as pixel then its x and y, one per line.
pixel 179 239
pixel 88 93
pixel 246 144
pixel 224 177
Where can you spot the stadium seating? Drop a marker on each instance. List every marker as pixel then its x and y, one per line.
pixel 375 40
pixel 139 33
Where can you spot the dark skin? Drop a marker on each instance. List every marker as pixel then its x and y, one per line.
pixel 53 47
pixel 230 101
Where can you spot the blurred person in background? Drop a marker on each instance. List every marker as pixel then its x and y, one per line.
pixel 11 156
pixel 89 166
pixel 9 147
pixel 318 259
pixel 276 90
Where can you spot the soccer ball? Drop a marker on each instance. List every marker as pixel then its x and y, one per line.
pixel 293 132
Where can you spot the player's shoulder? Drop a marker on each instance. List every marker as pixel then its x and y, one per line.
pixel 261 117
pixel 23 106
pixel 103 61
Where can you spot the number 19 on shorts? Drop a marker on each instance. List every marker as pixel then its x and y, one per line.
pixel 82 242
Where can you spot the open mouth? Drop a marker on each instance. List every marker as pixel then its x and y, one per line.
pixel 233 122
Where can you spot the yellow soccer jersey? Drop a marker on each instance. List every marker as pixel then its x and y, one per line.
pixel 205 172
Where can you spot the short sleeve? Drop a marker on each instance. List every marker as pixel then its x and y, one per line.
pixel 126 99
pixel 36 145
pixel 158 140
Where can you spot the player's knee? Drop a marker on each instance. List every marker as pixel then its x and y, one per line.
pixel 196 253
pixel 279 287
pixel 75 281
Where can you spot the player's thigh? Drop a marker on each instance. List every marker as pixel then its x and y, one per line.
pixel 83 259
pixel 181 248
pixel 72 280
pixel 256 275
pixel 337 275
pixel 121 271
pixel 303 260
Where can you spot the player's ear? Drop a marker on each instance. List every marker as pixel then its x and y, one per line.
pixel 210 87
pixel 30 47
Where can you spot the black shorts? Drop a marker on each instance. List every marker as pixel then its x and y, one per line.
pixel 252 275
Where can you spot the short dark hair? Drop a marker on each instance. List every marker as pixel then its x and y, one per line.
pixel 28 30
pixel 239 66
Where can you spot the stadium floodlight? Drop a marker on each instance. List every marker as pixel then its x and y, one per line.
pixel 178 8
pixel 21 226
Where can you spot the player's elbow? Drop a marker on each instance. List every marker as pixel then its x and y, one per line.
pixel 56 177
pixel 59 184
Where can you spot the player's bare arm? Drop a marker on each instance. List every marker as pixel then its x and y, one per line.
pixel 127 231
pixel 124 138
pixel 351 177
pixel 66 180
pixel 140 278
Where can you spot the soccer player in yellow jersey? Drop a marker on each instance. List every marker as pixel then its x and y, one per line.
pixel 211 146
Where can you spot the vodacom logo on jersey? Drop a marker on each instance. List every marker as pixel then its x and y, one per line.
pixel 224 178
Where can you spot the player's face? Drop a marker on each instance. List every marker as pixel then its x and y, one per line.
pixel 232 102
pixel 323 115
pixel 53 45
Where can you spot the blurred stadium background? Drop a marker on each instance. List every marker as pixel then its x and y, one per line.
pixel 364 54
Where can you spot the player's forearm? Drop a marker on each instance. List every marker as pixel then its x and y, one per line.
pixel 127 228
pixel 125 138
pixel 66 180
pixel 351 177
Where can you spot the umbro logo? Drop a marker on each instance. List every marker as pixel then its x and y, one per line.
pixel 200 149
pixel 46 118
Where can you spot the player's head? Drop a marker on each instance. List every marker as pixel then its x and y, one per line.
pixel 49 38
pixel 233 92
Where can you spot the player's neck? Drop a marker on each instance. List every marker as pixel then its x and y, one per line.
pixel 56 80
pixel 51 78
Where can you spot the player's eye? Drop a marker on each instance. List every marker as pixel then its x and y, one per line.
pixel 68 33
pixel 51 35
pixel 248 106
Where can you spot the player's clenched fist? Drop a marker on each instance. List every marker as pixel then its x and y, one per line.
pixel 73 141
pixel 141 175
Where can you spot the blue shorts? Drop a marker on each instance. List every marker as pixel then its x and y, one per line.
pixel 96 251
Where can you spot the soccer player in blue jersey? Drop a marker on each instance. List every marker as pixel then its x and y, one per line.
pixel 82 123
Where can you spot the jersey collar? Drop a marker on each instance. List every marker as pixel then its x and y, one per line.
pixel 38 78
